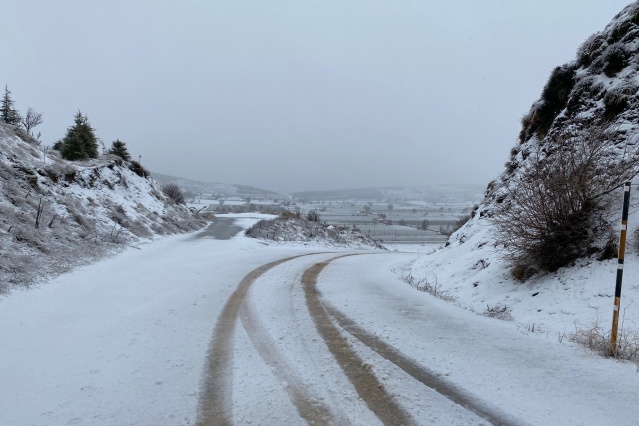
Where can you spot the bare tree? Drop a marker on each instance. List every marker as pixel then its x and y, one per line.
pixel 31 120
pixel 313 216
pixel 447 229
pixel 557 209
pixel 174 192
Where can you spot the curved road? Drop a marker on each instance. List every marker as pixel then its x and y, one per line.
pixel 326 336
pixel 199 330
pixel 334 338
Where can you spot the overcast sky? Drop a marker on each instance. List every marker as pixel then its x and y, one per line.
pixel 293 95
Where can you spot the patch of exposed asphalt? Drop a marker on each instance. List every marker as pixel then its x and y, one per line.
pixel 215 406
pixel 222 228
pixel 369 389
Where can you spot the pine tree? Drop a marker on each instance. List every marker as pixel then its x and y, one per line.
pixel 80 142
pixel 7 112
pixel 119 148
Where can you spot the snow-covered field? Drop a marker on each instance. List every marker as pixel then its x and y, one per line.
pixel 126 341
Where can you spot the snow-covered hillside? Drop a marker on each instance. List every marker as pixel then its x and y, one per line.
pixel 224 190
pixel 56 214
pixel 293 227
pixel 597 92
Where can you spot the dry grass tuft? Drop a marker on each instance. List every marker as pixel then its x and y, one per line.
pixel 597 338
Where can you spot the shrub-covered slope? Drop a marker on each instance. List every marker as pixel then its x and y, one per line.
pixel 56 214
pixel 293 227
pixel 552 217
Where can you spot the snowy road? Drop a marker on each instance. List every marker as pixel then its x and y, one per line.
pixel 206 331
pixel 222 229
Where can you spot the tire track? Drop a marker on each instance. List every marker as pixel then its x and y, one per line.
pixel 418 372
pixel 215 407
pixel 369 389
pixel 215 404
pixel 308 405
pixel 410 367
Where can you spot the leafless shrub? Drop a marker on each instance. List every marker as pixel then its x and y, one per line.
pixel 446 229
pixel 87 224
pixel 174 192
pixel 31 237
pixel 119 216
pixel 290 214
pixel 259 230
pixel 461 221
pixel 423 284
pixel 313 216
pixel 557 209
pixel 531 327
pixel 156 194
pixel 139 229
pixel 501 312
pixel 450 228
pixel 70 175
pixel 481 264
pixel 137 168
pixel 597 338
pixel 108 184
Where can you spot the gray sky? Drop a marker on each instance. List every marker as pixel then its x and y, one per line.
pixel 297 94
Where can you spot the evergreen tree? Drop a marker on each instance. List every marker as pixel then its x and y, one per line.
pixel 119 148
pixel 7 112
pixel 80 142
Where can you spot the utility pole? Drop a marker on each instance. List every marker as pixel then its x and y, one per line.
pixel 622 252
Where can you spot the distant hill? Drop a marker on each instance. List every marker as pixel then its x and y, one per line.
pixel 429 193
pixel 223 189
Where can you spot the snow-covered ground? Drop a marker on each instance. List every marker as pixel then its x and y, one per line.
pixel 126 341
pixel 553 305
pixel 530 378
